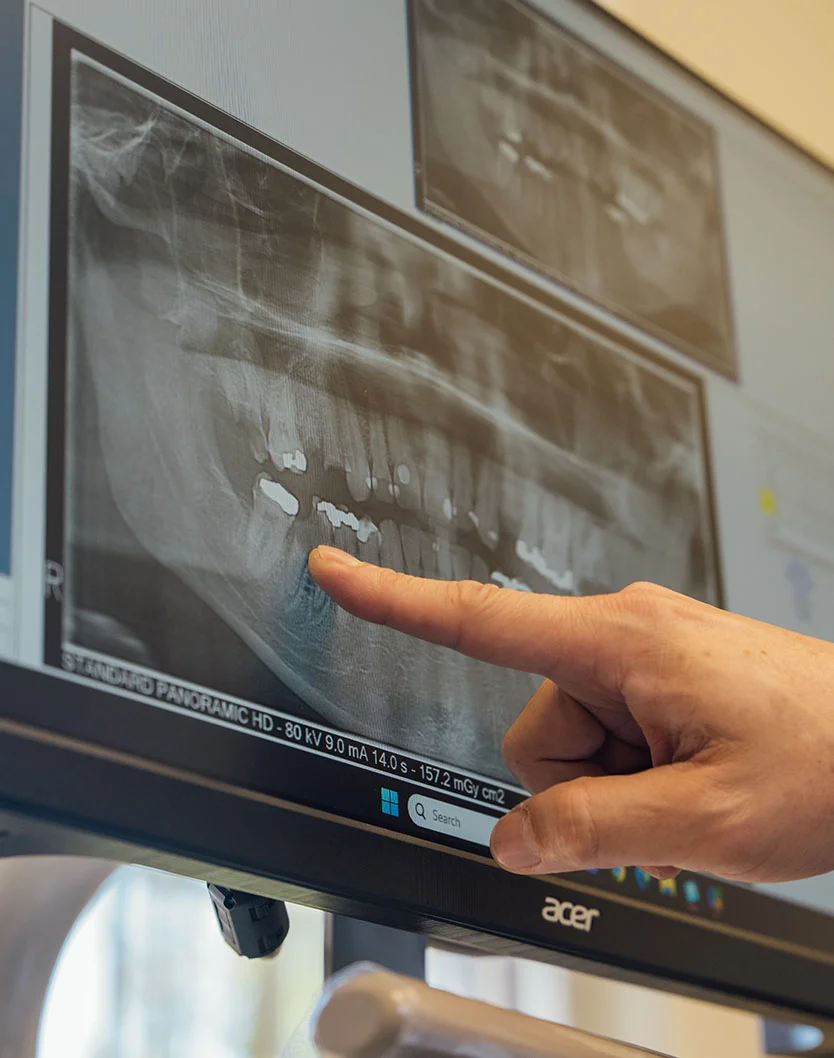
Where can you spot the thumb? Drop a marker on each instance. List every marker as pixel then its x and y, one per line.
pixel 655 816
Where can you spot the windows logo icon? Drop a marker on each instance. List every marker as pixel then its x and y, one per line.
pixel 390 802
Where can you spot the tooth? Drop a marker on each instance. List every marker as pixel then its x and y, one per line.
pixel 268 530
pixel 410 538
pixel 241 386
pixel 369 548
pixel 276 492
pixel 390 549
pixel 380 472
pixel 321 409
pixel 557 521
pixel 406 457
pixel 357 469
pixel 509 582
pixel 531 501
pixel 338 517
pixel 512 492
pixel 445 565
pixel 282 436
pixel 461 562
pixel 508 151
pixel 589 560
pixel 480 570
pixel 436 478
pixel 246 388
pixel 429 547
pixel 562 580
pixel 294 461
pixel 462 485
pixel 487 502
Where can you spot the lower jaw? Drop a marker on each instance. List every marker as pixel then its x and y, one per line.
pixel 367 679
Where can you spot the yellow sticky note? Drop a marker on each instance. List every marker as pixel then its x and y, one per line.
pixel 767 501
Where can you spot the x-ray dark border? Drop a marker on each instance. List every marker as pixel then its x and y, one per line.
pixel 65 41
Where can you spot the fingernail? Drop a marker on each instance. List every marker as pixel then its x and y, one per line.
pixel 513 843
pixel 662 874
pixel 334 557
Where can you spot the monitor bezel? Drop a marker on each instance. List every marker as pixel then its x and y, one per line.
pixel 100 798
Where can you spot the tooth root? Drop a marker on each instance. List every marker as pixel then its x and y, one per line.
pixel 390 549
pixel 445 565
pixel 242 378
pixel 462 486
pixel 589 559
pixel 479 570
pixel 357 468
pixel 531 503
pixel 247 393
pixel 406 456
pixel 557 520
pixel 319 409
pixel 346 540
pixel 369 548
pixel 461 563
pixel 283 437
pixel 436 477
pixel 410 538
pixel 265 532
pixel 512 491
pixel 429 548
pixel 408 483
pixel 487 503
pixel 380 481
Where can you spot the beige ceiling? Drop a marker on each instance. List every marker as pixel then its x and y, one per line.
pixel 776 57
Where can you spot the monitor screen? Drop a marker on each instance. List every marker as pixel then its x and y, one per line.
pixel 444 284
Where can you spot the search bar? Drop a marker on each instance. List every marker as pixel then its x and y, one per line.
pixel 443 818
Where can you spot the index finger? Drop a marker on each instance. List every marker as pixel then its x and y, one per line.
pixel 570 640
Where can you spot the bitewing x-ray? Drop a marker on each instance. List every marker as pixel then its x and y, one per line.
pixel 536 144
pixel 256 366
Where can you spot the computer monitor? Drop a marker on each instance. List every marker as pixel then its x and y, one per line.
pixel 470 288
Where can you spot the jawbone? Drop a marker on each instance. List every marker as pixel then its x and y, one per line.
pixel 318 378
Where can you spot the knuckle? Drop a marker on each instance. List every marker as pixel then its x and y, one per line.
pixel 515 748
pixel 643 596
pixel 470 600
pixel 565 828
pixel 385 587
pixel 740 844
pixel 726 835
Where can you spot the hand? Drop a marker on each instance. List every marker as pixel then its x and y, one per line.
pixel 666 731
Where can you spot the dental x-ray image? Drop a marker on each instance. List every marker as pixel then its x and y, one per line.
pixel 256 366
pixel 545 149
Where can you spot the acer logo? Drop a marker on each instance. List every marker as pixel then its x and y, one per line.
pixel 565 913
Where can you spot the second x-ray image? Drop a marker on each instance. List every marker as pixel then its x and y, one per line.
pixel 537 144
pixel 256 366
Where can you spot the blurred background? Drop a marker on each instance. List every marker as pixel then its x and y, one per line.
pixel 145 973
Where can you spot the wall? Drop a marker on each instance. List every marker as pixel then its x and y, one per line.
pixel 774 58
